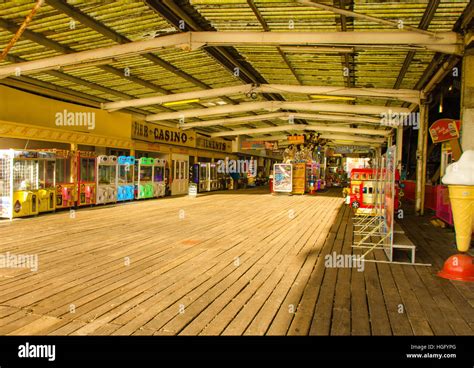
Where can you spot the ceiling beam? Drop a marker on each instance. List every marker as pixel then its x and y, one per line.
pixel 288 116
pixel 352 14
pixel 300 127
pixel 407 95
pixel 447 41
pixel 274 106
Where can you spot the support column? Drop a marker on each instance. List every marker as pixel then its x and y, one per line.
pixel 467 100
pixel 399 147
pixel 132 152
pixel 390 140
pixel 421 159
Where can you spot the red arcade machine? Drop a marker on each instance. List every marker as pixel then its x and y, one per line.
pixel 363 189
pixel 86 178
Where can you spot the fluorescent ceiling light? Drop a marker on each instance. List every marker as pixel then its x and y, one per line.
pixel 86 65
pixel 327 97
pixel 183 102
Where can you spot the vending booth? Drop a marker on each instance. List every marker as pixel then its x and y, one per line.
pixel 86 178
pixel 159 178
pixel 107 170
pixel 144 178
pixel 125 178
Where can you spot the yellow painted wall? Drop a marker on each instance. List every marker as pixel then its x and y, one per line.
pixel 22 107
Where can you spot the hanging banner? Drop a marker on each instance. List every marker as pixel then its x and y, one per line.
pixel 213 144
pixel 256 145
pixel 296 139
pixel 445 130
pixel 160 134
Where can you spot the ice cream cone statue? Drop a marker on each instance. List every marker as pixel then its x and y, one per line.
pixel 460 180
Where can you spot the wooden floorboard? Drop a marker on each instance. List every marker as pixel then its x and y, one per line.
pixel 230 263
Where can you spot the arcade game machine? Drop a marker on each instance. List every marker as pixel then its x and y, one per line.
pixel 299 173
pixel 363 190
pixel 201 176
pixel 86 178
pixel 144 178
pixel 125 181
pixel 46 181
pixel 213 179
pixel 106 179
pixel 66 187
pixel 159 179
pixel 312 178
pixel 18 183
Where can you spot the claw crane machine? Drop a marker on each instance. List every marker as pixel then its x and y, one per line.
pixel 126 188
pixel 46 182
pixel 213 180
pixel 201 176
pixel 144 178
pixel 66 186
pixel 86 178
pixel 159 178
pixel 106 179
pixel 21 180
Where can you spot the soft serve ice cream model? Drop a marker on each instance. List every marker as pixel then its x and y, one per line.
pixel 460 180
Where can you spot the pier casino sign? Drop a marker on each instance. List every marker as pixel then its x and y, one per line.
pixel 160 134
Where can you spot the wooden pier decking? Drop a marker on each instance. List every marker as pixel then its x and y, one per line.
pixel 229 263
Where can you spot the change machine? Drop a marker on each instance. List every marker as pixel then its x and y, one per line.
pixel 125 189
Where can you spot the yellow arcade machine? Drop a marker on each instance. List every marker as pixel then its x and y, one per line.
pixel 20 182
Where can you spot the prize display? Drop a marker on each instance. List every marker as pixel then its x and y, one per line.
pixel 125 180
pixel 106 179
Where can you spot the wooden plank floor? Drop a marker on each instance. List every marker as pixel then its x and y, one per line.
pixel 232 263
